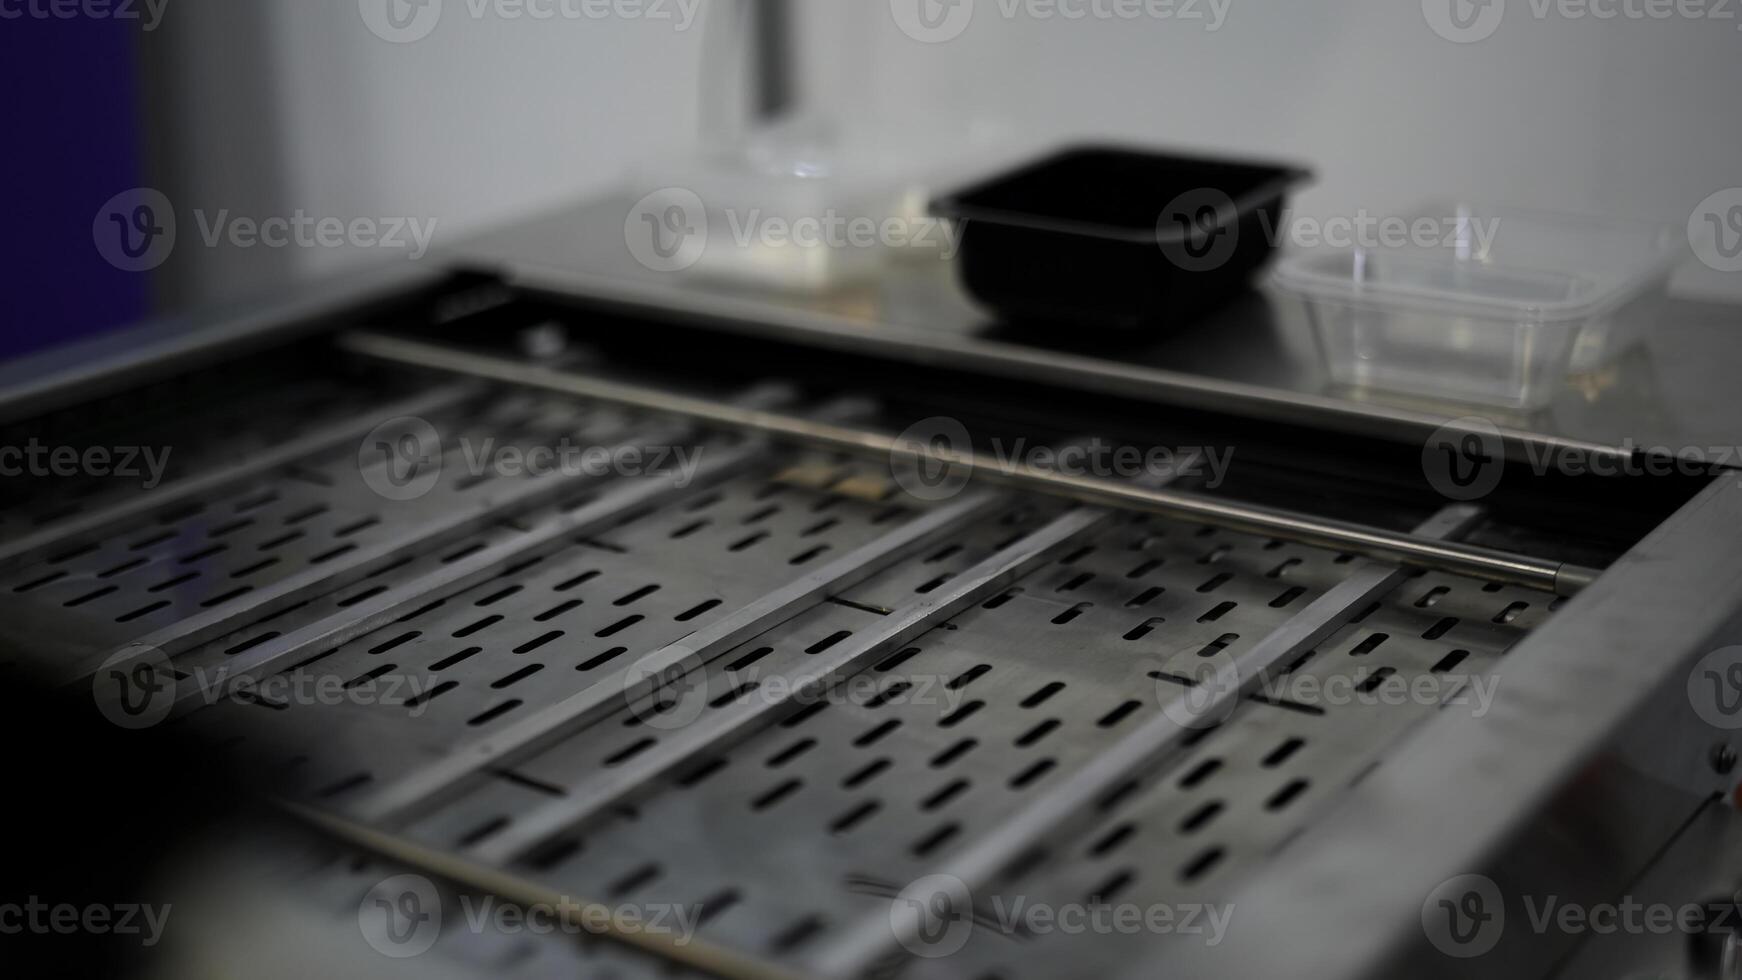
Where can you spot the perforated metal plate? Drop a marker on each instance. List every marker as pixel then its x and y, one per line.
pixel 974 668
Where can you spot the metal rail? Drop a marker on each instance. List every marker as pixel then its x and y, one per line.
pixel 253 465
pixel 1376 543
pixel 210 624
pixel 576 913
pixel 1069 805
pixel 350 622
pixel 667 665
pixel 730 724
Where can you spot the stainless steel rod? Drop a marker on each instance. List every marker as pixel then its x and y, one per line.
pixel 577 913
pixel 1370 542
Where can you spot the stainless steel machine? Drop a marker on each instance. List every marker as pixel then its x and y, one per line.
pixel 810 662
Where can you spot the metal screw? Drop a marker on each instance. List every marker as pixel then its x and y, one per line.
pixel 1723 758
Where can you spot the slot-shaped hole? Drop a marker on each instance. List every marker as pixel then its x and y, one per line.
pixel 1112 839
pixel 1217 612
pixel 774 796
pixel 518 676
pixel 1286 795
pixel 1200 818
pixel 854 817
pixel 1199 773
pixel 1118 714
pixel 1368 645
pixel 498 711
pixel 866 773
pixel 936 839
pixel 1072 613
pixel 1041 696
pixel 1511 612
pixel 1144 628
pixel 953 753
pixel 697 610
pixel 1027 777
pixel 1283 752
pixel 1440 628
pixel 637 595
pixel 1145 597
pixel 600 660
pixel 462 656
pixel 629 751
pixel 1201 865
pixel 1287 598
pixel 1038 732
pixel 1450 661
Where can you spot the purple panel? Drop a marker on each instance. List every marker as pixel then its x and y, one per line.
pixel 70 124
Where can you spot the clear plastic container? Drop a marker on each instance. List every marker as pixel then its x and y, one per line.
pixel 1497 310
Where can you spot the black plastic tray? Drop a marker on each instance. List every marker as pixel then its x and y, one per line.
pixel 1118 237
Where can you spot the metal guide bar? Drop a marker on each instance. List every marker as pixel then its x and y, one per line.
pixel 1371 542
pixel 1049 817
pixel 722 727
pixel 578 914
pixel 665 666
pixel 216 622
pixel 271 459
pixel 347 624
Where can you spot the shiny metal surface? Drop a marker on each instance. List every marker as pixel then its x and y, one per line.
pixel 1059 814
pixel 1672 393
pixel 1053 641
pixel 1369 541
pixel 1592 732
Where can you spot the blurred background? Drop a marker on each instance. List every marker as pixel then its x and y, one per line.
pixel 264 107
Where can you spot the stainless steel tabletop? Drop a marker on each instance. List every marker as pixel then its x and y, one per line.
pixel 1672 393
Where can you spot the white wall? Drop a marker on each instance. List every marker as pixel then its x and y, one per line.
pixel 487 118
pixel 267 106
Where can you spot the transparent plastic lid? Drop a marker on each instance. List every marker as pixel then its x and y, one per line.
pixel 1494 261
